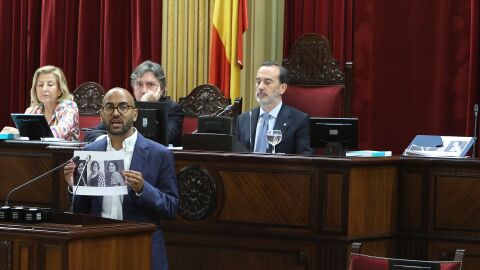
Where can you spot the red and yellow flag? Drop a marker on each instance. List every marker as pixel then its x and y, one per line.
pixel 226 57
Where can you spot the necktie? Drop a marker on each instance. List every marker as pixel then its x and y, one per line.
pixel 261 143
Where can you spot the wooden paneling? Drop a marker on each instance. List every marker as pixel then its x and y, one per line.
pixel 217 252
pixel 414 200
pixel 274 211
pixel 6 255
pixel 372 201
pixel 54 254
pixel 334 199
pixel 457 204
pixel 123 252
pixel 21 162
pixel 294 212
pixel 76 242
pixel 383 248
pixel 273 198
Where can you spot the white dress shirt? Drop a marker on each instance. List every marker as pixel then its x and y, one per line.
pixel 112 205
pixel 271 122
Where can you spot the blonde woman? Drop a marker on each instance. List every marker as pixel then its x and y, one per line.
pixel 50 96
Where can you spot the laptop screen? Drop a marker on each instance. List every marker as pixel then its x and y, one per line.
pixel 33 126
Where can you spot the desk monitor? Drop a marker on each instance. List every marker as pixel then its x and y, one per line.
pixel 152 120
pixel 333 134
pixel 33 126
pixel 215 124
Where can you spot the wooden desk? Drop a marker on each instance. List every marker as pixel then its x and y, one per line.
pixel 75 242
pixel 20 162
pixel 252 211
pixel 439 209
pixel 247 211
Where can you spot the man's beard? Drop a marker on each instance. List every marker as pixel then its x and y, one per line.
pixel 265 101
pixel 126 127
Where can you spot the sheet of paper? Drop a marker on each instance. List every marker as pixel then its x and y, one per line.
pixel 100 173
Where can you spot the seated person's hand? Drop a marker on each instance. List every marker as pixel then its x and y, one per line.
pixel 152 96
pixel 10 130
pixel 68 171
pixel 34 110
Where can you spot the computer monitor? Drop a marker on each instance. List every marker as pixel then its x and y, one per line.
pixel 333 134
pixel 33 126
pixel 152 120
pixel 215 124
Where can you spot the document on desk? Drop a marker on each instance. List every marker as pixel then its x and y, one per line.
pixel 100 173
pixel 439 146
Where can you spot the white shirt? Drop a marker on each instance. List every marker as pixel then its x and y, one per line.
pixel 112 205
pixel 271 122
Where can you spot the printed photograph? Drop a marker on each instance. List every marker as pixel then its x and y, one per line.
pixel 114 172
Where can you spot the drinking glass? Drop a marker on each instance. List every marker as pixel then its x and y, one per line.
pixel 274 137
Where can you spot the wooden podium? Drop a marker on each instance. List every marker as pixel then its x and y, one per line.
pixel 75 241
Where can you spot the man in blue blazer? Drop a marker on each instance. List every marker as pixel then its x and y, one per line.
pixel 271 83
pixel 151 176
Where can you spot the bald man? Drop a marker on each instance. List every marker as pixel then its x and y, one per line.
pixel 150 174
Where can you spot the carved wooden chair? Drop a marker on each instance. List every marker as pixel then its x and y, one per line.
pixel 89 96
pixel 206 99
pixel 317 84
pixel 359 261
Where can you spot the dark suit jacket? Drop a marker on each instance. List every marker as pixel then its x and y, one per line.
pixel 175 122
pixel 159 197
pixel 293 123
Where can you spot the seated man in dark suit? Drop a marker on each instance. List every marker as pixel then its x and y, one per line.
pixel 271 83
pixel 149 84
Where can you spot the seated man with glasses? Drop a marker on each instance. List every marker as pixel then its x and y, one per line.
pixel 149 172
pixel 149 84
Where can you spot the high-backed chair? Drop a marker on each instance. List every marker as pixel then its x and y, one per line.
pixel 359 261
pixel 317 85
pixel 89 96
pixel 206 99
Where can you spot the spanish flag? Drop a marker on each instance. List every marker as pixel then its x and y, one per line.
pixel 226 57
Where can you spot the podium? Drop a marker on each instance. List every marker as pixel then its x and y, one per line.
pixel 212 142
pixel 74 242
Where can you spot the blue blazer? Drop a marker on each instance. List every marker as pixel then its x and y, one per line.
pixel 159 197
pixel 294 124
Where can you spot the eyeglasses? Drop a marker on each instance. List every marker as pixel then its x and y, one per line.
pixel 122 108
pixel 148 85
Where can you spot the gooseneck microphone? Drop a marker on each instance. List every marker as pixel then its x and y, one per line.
pixel 221 112
pixel 74 159
pixel 250 131
pixel 475 120
pixel 87 160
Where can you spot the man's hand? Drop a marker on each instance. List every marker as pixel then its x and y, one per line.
pixel 152 96
pixel 10 130
pixel 68 171
pixel 134 179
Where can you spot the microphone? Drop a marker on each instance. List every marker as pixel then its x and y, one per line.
pixel 93 129
pixel 223 111
pixel 80 179
pixel 475 120
pixel 250 130
pixel 87 160
pixel 74 159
